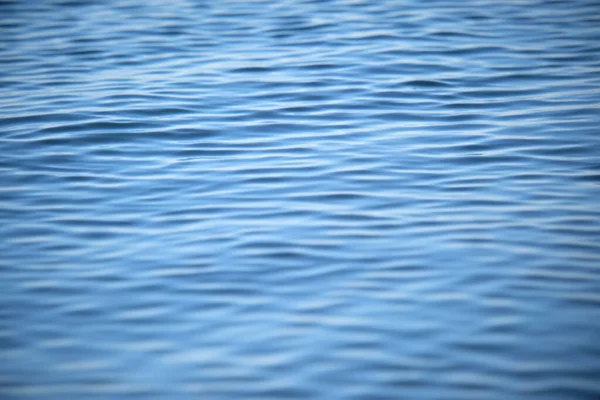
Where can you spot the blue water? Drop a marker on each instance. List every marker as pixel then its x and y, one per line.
pixel 300 200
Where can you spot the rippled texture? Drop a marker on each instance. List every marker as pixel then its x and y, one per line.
pixel 300 200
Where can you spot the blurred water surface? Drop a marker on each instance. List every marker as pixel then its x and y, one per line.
pixel 300 199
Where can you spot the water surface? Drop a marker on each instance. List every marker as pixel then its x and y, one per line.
pixel 300 200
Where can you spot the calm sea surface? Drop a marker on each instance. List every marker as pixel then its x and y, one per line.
pixel 248 200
